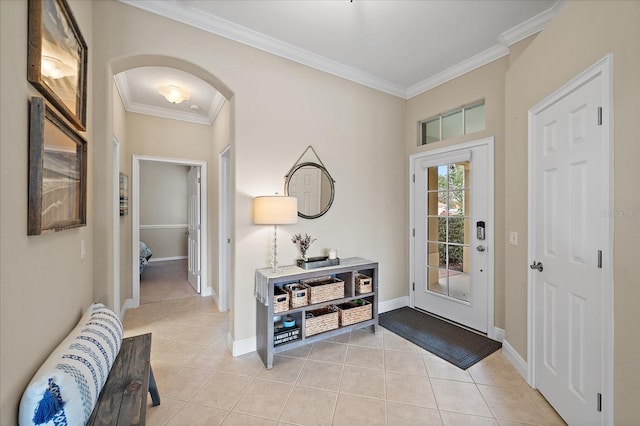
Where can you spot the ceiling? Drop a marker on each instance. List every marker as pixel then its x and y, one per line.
pixel 400 47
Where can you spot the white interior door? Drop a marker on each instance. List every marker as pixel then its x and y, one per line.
pixel 568 230
pixel 193 243
pixel 453 226
pixel 305 185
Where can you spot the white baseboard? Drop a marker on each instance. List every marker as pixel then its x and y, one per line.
pixel 498 334
pixel 241 347
pixel 515 359
pixel 390 305
pixel 128 304
pixel 162 259
pixel 215 297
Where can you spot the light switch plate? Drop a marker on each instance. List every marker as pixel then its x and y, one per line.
pixel 513 238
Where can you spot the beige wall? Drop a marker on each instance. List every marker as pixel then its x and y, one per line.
pixel 486 83
pixel 124 222
pixel 163 202
pixel 581 34
pixel 44 285
pixel 279 108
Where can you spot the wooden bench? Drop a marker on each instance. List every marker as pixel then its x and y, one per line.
pixel 123 399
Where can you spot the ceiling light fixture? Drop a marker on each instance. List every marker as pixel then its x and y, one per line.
pixel 174 94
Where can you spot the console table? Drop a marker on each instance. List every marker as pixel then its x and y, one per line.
pixel 266 280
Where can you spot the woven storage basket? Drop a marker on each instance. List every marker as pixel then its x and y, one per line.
pixel 323 319
pixel 363 284
pixel 280 300
pixel 324 288
pixel 297 295
pixel 351 313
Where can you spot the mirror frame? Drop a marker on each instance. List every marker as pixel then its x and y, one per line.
pixel 331 182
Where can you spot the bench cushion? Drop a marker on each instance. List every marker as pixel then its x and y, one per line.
pixel 66 387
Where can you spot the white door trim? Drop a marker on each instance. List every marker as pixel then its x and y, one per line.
pixel 603 67
pixel 489 142
pixel 224 247
pixel 134 201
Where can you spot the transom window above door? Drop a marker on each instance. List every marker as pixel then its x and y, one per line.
pixel 461 121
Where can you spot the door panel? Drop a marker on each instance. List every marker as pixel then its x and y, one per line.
pixel 193 243
pixel 568 198
pixel 451 264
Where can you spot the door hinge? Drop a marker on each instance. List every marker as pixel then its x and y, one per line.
pixel 414 178
pixel 599 402
pixel 600 259
pixel 414 286
pixel 599 116
pixel 413 232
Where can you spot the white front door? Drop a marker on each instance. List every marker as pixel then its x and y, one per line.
pixel 453 226
pixel 193 238
pixel 568 230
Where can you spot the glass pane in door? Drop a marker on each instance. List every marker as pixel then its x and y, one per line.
pixel 448 230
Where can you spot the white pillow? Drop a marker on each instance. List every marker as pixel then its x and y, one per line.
pixel 66 387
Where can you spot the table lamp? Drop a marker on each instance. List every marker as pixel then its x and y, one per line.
pixel 275 210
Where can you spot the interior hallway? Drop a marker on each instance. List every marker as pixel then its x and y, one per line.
pixel 355 379
pixel 164 281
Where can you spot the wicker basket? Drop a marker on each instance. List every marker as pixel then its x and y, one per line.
pixel 324 288
pixel 280 300
pixel 363 284
pixel 297 295
pixel 323 319
pixel 354 312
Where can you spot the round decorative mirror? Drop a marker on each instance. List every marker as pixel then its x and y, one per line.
pixel 314 188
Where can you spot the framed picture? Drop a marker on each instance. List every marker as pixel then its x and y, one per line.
pixel 124 194
pixel 57 59
pixel 57 172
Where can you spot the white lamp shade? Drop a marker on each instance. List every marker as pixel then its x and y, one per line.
pixel 275 210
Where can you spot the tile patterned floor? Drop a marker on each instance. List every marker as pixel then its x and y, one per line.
pixel 359 378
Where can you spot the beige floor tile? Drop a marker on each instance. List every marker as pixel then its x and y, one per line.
pixel 363 382
pixel 221 391
pixel 496 370
pixel 183 383
pixel 515 405
pixel 196 415
pixel 407 389
pixel 263 399
pixel 299 352
pixel 162 370
pixel 243 365
pixel 397 343
pixel 354 410
pixel 361 356
pixel 158 415
pixel 328 352
pixel 441 369
pixel 550 415
pixel 340 338
pixel 321 375
pixel 459 397
pixel 408 415
pixel 236 419
pixel 366 337
pixel 404 362
pixel 285 370
pixel 459 419
pixel 308 406
pixel 180 353
pixel 210 357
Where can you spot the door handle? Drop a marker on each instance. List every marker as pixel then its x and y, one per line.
pixel 481 248
pixel 536 265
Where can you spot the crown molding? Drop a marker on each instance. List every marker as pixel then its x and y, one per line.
pixel 216 106
pixel 468 65
pixel 530 26
pixel 213 24
pixel 176 11
pixel 122 84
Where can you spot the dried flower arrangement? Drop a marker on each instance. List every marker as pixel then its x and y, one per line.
pixel 303 243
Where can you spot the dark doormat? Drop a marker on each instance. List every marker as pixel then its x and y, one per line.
pixel 454 344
